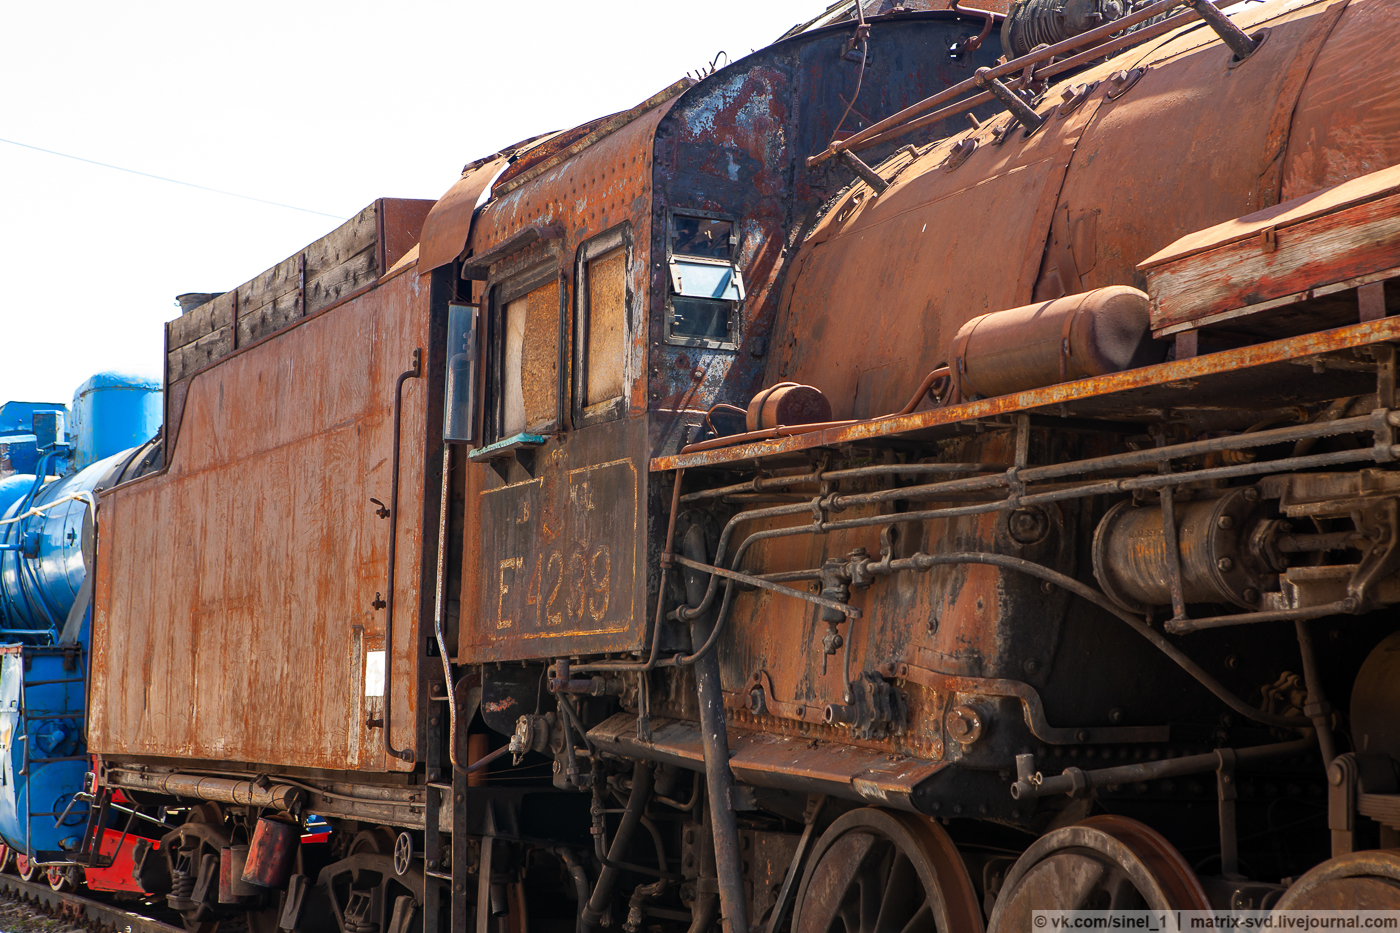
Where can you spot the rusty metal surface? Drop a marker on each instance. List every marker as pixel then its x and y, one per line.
pixel 1347 121
pixel 1368 880
pixel 1261 369
pixel 544 570
pixel 447 226
pixel 737 145
pixel 400 225
pixel 1357 190
pixel 237 589
pixel 769 760
pixel 1034 218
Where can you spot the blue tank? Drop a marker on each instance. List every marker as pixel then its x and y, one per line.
pixel 114 411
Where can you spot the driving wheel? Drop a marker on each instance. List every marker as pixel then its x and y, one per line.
pixel 28 871
pixel 1102 863
pixel 880 871
pixel 1368 880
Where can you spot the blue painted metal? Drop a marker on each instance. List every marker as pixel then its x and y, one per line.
pixel 43 668
pixel 19 452
pixel 41 557
pixel 114 411
pixel 42 757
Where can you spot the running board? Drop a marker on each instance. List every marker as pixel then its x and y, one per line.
pixel 766 760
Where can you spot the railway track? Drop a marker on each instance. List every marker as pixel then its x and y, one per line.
pixel 80 911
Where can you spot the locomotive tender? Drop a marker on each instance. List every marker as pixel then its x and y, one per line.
pixel 770 507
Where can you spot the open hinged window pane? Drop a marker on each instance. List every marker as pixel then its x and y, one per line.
pixel 697 278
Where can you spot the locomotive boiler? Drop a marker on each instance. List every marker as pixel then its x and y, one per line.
pixel 46 544
pixel 777 506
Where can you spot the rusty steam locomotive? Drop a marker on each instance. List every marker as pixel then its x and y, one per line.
pixel 879 486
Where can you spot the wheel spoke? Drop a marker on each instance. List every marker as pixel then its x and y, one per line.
pixel 879 871
pixel 921 922
pixel 902 896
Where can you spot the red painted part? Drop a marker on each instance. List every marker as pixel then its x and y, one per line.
pixel 270 854
pixel 314 838
pixel 121 874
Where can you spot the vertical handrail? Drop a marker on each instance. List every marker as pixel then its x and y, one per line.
pixel 404 754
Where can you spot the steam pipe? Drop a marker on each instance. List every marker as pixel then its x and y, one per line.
pixel 1075 781
pixel 719 779
pixel 580 879
pixel 593 911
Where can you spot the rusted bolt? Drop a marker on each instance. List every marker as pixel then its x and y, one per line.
pixel 1115 715
pixel 1225 564
pixel 964 724
pixel 1082 735
pixel 1251 494
pixel 1251 595
pixel 1225 522
pixel 1030 665
pixel 1232 662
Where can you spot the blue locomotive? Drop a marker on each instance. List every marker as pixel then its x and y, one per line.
pixel 53 461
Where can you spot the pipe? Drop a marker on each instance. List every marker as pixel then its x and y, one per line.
pixel 1317 708
pixel 580 879
pixel 219 790
pixel 1013 67
pixel 439 604
pixel 405 754
pixel 702 915
pixel 1075 781
pixel 719 778
pixel 607 878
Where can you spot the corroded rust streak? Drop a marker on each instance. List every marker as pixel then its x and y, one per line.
pixel 1192 144
pixel 933 251
pixel 1347 122
pixel 1176 371
pixel 235 582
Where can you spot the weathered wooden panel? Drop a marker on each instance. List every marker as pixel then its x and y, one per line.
pixel 234 609
pixel 348 258
pixel 1334 247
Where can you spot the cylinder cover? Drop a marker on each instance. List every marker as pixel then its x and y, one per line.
pixel 1130 554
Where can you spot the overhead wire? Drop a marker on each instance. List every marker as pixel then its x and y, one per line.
pixel 173 181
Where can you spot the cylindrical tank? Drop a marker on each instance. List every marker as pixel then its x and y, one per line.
pixel 42 567
pixel 114 411
pixel 1091 334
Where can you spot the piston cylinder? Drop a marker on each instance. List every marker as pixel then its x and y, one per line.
pixel 271 853
pixel 1215 543
pixel 787 403
pixel 1103 331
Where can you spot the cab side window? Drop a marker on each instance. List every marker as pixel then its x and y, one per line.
pixel 526 321
pixel 706 286
pixel 601 326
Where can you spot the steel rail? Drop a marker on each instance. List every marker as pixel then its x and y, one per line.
pixel 86 908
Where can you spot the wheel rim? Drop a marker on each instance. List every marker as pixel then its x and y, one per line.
pixel 1102 863
pixel 1368 880
pixel 27 869
pixel 61 878
pixel 878 871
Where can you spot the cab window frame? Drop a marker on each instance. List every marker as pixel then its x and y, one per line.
pixel 735 307
pixel 500 294
pixel 595 247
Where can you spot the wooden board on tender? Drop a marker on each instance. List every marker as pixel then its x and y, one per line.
pixel 1275 267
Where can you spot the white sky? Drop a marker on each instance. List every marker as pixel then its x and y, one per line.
pixel 316 104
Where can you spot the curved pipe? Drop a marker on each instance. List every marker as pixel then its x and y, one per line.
pixel 607 878
pixel 580 879
pixel 404 754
